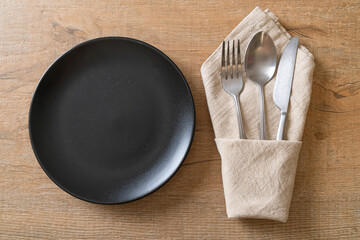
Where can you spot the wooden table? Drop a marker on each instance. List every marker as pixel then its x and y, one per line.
pixel 326 200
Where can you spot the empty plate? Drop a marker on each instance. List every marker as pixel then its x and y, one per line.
pixel 111 120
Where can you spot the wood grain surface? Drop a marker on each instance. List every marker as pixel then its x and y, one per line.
pixel 326 200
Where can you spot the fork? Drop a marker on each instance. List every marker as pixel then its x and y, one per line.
pixel 231 78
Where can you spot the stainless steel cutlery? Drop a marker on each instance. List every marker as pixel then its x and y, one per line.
pixel 231 77
pixel 260 66
pixel 283 84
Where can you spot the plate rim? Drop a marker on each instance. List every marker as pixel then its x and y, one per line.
pixel 69 51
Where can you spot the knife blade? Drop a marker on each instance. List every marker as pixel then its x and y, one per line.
pixel 283 83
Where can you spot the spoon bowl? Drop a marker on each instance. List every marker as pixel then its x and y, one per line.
pixel 260 58
pixel 260 66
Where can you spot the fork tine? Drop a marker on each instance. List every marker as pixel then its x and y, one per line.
pixel 238 64
pixel 228 60
pixel 223 60
pixel 233 60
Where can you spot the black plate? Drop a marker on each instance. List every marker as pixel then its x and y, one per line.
pixel 111 120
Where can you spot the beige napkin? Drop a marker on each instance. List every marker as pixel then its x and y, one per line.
pixel 258 175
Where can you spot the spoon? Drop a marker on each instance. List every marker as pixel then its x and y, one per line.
pixel 260 66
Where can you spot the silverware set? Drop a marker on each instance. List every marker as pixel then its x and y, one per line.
pixel 260 66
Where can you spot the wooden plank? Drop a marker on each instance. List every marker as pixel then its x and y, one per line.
pixel 326 200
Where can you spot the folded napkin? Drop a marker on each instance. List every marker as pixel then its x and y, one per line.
pixel 258 175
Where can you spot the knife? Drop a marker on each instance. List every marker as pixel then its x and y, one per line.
pixel 283 84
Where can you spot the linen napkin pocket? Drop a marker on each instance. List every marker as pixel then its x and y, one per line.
pixel 258 175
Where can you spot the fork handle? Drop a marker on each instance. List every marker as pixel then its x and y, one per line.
pixel 239 117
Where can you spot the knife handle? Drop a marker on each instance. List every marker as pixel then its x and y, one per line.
pixel 280 132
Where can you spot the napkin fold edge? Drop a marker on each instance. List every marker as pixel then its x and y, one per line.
pixel 272 17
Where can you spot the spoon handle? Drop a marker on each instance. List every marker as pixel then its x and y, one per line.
pixel 239 117
pixel 262 113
